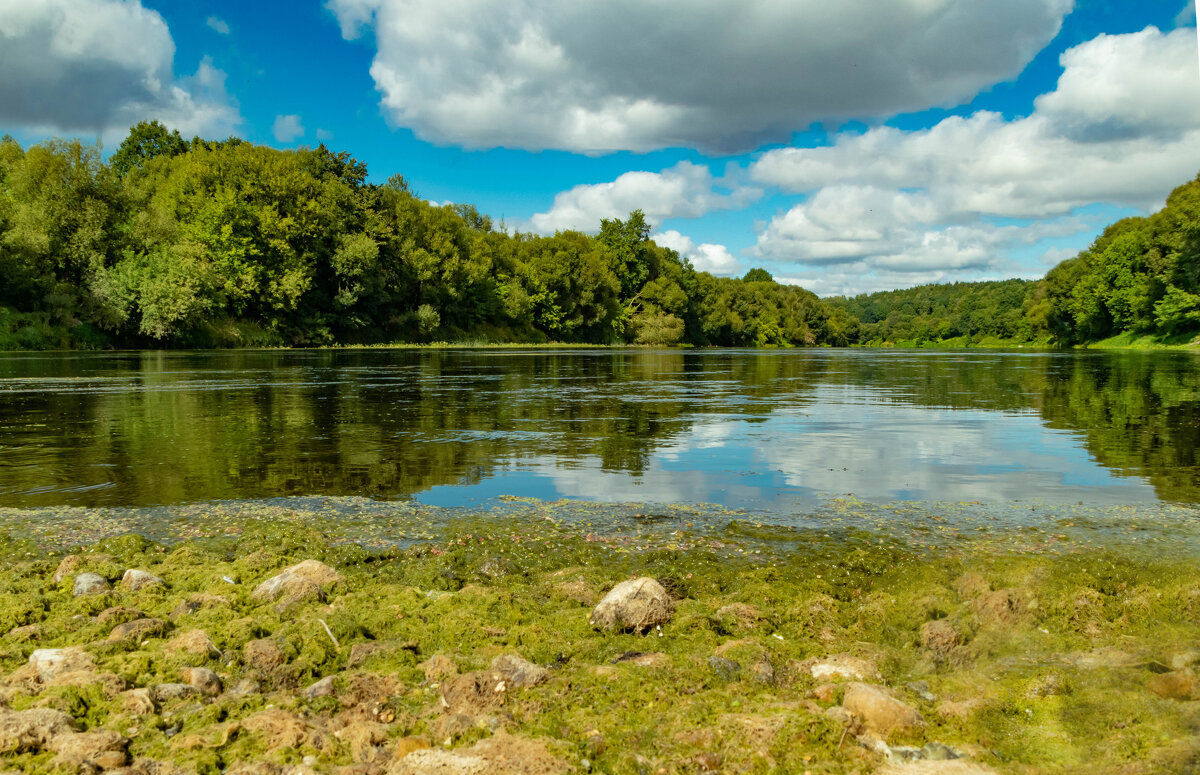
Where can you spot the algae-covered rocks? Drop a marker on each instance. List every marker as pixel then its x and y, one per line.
pixel 302 581
pixel 879 709
pixel 636 605
pixel 135 579
pixel 842 666
pixel 90 584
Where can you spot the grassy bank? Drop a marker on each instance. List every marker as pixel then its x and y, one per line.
pixel 1066 647
pixel 1132 341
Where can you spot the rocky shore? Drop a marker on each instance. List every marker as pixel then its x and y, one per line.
pixel 517 651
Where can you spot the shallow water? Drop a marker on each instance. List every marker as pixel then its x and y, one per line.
pixel 769 431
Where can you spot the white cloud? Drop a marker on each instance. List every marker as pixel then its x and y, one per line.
pixel 1187 17
pixel 84 66
pixel 1122 127
pixel 685 190
pixel 627 74
pixel 218 24
pixel 705 257
pixel 324 135
pixel 287 128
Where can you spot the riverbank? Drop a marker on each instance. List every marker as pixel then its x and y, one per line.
pixel 468 644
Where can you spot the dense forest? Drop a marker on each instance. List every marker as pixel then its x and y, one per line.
pixel 177 243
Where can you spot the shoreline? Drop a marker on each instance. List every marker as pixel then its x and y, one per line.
pixel 860 643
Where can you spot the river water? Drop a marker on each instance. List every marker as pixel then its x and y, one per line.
pixel 772 431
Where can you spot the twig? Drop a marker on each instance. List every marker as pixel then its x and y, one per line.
pixel 329 632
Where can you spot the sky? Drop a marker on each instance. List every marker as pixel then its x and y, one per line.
pixel 846 146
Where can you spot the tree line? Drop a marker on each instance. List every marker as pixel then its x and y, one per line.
pixel 176 243
pixel 198 243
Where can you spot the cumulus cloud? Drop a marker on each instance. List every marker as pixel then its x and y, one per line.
pixel 219 25
pixel 685 190
pixel 287 128
pixel 75 66
pixel 705 257
pixel 627 74
pixel 1122 127
pixel 1187 17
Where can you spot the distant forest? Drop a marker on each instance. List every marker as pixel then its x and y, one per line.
pixel 178 243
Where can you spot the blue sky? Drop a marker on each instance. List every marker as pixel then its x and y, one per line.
pixel 846 147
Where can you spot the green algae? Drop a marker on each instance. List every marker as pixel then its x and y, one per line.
pixel 1058 679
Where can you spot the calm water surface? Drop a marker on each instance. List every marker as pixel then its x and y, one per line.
pixel 770 430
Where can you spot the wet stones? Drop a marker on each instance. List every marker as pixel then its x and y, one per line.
pixel 90 584
pixel 136 630
pixel 135 579
pixel 879 709
pixel 636 605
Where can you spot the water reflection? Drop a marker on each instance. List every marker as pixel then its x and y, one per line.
pixel 745 428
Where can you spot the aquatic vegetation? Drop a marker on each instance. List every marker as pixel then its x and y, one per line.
pixel 1063 646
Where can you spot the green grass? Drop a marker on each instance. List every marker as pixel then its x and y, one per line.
pixel 1134 341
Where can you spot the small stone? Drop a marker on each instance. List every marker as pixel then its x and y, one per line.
pixel 66 567
pixel 139 579
pixel 302 581
pixel 842 666
pixel 636 605
pixel 194 642
pixel 137 702
pixel 48 663
pixel 263 654
pixel 137 629
pixel 726 669
pixel 246 687
pixel 90 584
pixel 1180 661
pixel 322 688
pixel 879 710
pixel 519 672
pixel 168 692
pixel 203 680
pixel 96 748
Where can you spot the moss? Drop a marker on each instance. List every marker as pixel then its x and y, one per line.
pixel 1060 684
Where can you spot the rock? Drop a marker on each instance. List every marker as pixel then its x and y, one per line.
pixel 842 666
pixel 139 579
pixel 90 584
pixel 762 671
pixel 167 692
pixel 101 748
pixel 302 581
pixel 519 672
pixel 738 616
pixel 263 654
pixel 111 683
pixel 1175 685
pixel 137 629
pixel 119 614
pixel 453 726
pixel 726 669
pixel 880 711
pixel 25 633
pixel 500 754
pixel 137 702
pixel 637 605
pixel 322 688
pixel 438 667
pixel 194 642
pixel 48 663
pixel 1050 685
pixel 939 636
pixel 32 730
pixel 245 688
pixel 66 567
pixel 203 680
